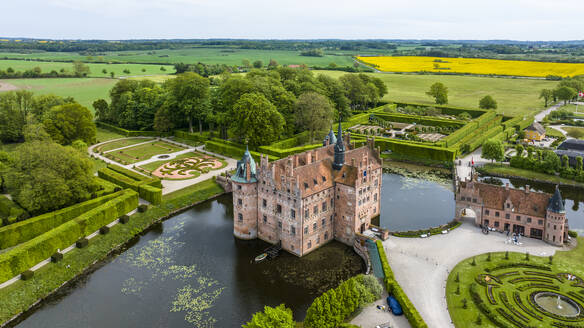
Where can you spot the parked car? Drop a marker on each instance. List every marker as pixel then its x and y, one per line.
pixel 394 305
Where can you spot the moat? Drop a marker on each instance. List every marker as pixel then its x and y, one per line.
pixel 190 271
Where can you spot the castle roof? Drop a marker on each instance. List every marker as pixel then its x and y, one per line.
pixel 527 203
pixel 556 204
pixel 246 169
pixel 330 138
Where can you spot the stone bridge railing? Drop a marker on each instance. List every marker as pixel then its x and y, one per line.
pixel 361 249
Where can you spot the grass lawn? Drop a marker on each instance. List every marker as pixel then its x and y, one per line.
pixel 85 91
pixel 95 70
pixel 154 165
pixel 21 295
pixel 514 282
pixel 105 135
pixel 551 132
pixel 122 143
pixel 507 171
pixel 514 96
pixel 144 152
pixel 188 170
pixel 574 132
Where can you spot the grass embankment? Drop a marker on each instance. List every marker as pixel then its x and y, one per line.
pixel 122 143
pixel 22 294
pixel 505 171
pixel 551 132
pixel 104 135
pixel 563 262
pixel 84 90
pixel 145 151
pixel 515 97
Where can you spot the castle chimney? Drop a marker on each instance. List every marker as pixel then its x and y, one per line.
pixel 527 189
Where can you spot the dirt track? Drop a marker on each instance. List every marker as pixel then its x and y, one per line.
pixel 7 87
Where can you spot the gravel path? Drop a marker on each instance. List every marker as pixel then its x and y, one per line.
pixel 421 266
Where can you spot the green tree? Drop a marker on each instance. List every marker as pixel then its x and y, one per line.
pixel 44 176
pixel 258 64
pixel 163 120
pixel 565 93
pixel 272 317
pixel 519 150
pixel 70 122
pixel 464 116
pixel 565 161
pixel 80 69
pixel 546 95
pixel 273 64
pixel 493 150
pixel 15 107
pixel 112 74
pixel 439 92
pixel 256 120
pixel 104 71
pixel 487 102
pixel 579 163
pixel 245 63
pixel 101 110
pixel 189 94
pixel 313 113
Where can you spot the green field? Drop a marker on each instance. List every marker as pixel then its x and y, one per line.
pixel 514 96
pixel 84 90
pixel 226 56
pixel 96 70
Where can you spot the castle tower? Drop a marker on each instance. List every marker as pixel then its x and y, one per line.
pixel 556 226
pixel 245 198
pixel 339 159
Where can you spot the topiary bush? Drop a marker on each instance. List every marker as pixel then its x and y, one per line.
pixel 124 219
pixel 142 208
pixel 26 275
pixel 104 230
pixel 57 257
pixel 82 243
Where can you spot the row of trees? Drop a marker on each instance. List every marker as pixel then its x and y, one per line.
pixel 79 70
pixel 439 92
pixel 261 106
pixel 63 119
pixel 567 90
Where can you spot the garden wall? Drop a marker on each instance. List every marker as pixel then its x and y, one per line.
pixel 28 254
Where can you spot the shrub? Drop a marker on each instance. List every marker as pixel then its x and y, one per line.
pixel 104 230
pixel 573 234
pixel 57 257
pixel 124 219
pixel 82 243
pixel 26 275
pixel 142 208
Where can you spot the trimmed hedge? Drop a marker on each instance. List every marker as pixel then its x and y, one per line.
pixel 28 254
pixel 523 124
pixel 26 230
pixel 130 133
pixel 416 150
pixel 192 136
pixel 424 120
pixel 413 316
pixel 10 211
pixel 149 189
pixel 281 153
pixel 226 148
pixel 107 187
pixel 447 110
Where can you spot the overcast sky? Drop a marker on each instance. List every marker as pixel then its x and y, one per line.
pixel 299 19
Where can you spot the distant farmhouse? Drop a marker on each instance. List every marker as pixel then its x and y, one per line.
pixel 308 199
pixel 535 132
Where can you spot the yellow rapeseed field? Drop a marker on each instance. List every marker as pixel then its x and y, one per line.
pixel 472 66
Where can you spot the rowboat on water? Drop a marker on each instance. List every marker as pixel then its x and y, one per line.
pixel 261 257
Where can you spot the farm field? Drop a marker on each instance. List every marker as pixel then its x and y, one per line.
pixel 84 90
pixel 472 66
pixel 574 132
pixel 96 70
pixel 226 56
pixel 514 96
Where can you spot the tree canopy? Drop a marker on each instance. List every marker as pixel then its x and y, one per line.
pixel 70 122
pixel 256 120
pixel 439 92
pixel 313 113
pixel 487 102
pixel 493 150
pixel 279 316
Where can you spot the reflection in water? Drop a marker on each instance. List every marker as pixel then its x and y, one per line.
pixel 410 203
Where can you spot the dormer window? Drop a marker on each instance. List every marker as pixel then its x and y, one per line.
pixel 323 178
pixel 315 182
pixel 305 185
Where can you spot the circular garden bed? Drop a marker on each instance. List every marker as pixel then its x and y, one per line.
pixel 188 168
pixel 516 290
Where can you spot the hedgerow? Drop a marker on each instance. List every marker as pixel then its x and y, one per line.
pixel 424 120
pixel 23 231
pixel 130 133
pixel 393 287
pixel 10 211
pixel 224 148
pixel 28 254
pixel 416 150
pixel 447 110
pixel 149 189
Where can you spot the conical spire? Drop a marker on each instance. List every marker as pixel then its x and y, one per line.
pixel 339 149
pixel 556 204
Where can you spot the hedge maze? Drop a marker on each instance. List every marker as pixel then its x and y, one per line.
pixel 148 188
pixel 517 294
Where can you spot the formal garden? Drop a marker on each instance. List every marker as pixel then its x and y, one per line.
pixel 518 290
pixel 142 150
pixel 184 166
